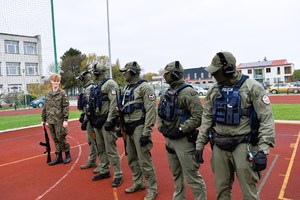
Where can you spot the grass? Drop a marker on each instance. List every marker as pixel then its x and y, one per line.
pixel 286 111
pixel 9 122
pixel 280 111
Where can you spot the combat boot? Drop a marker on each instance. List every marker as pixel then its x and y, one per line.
pixel 57 160
pixel 88 165
pixel 134 188
pixel 68 157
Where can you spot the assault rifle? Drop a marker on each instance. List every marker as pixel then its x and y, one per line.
pixel 122 122
pixel 47 145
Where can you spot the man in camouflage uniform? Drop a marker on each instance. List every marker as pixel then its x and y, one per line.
pixel 55 114
pixel 86 79
pixel 106 137
pixel 138 108
pixel 240 140
pixel 179 114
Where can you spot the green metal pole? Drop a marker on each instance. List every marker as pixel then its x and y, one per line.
pixel 54 39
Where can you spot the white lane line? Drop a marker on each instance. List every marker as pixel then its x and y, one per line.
pixel 62 178
pixel 267 174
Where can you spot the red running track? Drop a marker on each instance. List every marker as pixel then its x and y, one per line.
pixel 25 174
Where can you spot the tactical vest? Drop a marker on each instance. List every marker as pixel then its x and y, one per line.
pixel 97 97
pixel 168 107
pixel 227 108
pixel 82 100
pixel 128 97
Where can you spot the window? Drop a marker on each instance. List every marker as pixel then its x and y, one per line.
pixel 30 48
pixel 14 87
pixel 249 71
pixel 268 70
pixel 31 68
pixel 278 70
pixel 13 68
pixel 287 70
pixel 202 75
pixel 195 76
pixel 11 46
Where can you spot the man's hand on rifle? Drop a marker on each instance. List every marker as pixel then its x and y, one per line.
pixel 164 131
pixel 84 125
pixel 44 124
pixel 108 126
pixel 144 140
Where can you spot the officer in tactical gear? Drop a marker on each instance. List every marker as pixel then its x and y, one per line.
pixel 179 114
pixel 55 113
pixel 86 80
pixel 238 121
pixel 103 103
pixel 137 105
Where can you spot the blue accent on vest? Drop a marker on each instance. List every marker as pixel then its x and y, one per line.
pixel 168 107
pixel 129 96
pixel 227 109
pixel 97 97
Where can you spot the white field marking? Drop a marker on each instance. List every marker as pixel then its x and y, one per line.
pixel 267 174
pixel 62 178
pixel 33 157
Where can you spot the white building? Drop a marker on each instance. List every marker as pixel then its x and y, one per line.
pixel 269 72
pixel 20 62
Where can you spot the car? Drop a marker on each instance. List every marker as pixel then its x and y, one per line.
pixel 296 84
pixel 282 88
pixel 3 104
pixel 200 90
pixel 38 103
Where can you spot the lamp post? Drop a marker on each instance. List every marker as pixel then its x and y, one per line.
pixel 25 101
pixel 108 33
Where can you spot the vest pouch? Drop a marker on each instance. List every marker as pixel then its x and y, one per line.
pixel 233 115
pixel 192 137
pixel 99 120
pixel 130 127
pixel 228 143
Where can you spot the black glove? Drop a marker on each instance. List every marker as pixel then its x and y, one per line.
pixel 259 161
pixel 175 133
pixel 81 118
pixel 164 131
pixel 198 156
pixel 84 125
pixel 108 126
pixel 144 140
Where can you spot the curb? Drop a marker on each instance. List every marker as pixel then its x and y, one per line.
pixel 33 126
pixel 287 121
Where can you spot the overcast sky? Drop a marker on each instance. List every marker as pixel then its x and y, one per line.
pixel 156 32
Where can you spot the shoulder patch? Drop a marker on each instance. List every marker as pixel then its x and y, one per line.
pixel 113 92
pixel 152 97
pixel 266 99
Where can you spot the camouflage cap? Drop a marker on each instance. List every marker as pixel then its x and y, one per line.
pixel 131 65
pixel 216 63
pixel 173 65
